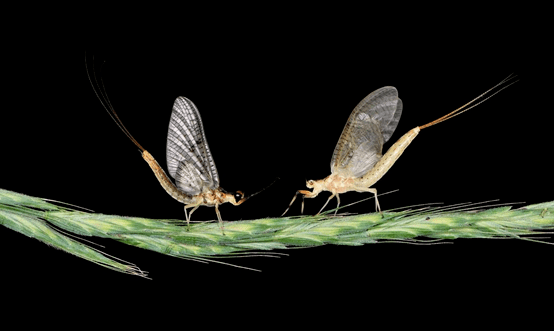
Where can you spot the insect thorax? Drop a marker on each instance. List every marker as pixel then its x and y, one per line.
pixel 337 184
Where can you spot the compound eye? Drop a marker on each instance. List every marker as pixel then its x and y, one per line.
pixel 238 196
pixel 311 182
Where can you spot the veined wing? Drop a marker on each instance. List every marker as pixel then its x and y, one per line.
pixel 189 159
pixel 370 125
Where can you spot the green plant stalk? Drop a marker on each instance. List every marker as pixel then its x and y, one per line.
pixel 47 222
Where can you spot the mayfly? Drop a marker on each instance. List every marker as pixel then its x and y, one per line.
pixel 189 159
pixel 357 162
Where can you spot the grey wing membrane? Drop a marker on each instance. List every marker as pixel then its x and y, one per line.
pixel 189 159
pixel 370 125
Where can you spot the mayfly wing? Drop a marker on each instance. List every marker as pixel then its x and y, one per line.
pixel 189 159
pixel 370 125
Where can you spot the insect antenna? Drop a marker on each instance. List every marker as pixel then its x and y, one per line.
pixel 260 191
pixel 102 95
pixel 461 109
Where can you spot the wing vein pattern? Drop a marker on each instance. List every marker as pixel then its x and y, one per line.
pixel 370 125
pixel 189 159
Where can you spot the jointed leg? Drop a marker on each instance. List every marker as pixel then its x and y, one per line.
pixel 338 204
pixel 290 204
pixel 306 194
pixel 190 214
pixel 374 191
pixel 219 218
pixel 331 197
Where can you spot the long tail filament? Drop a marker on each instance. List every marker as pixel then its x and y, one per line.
pixel 101 94
pixel 461 109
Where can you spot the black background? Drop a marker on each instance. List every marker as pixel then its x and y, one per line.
pixel 272 109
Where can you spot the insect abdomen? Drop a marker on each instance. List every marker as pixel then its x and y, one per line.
pixel 386 162
pixel 166 183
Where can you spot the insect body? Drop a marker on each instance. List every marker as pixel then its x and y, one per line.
pixel 357 161
pixel 189 159
pixel 190 163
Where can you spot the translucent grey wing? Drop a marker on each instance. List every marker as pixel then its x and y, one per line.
pixel 189 179
pixel 370 125
pixel 189 159
pixel 359 147
pixel 384 106
pixel 388 129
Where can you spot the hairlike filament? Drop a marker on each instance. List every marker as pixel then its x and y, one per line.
pixel 463 108
pixel 101 94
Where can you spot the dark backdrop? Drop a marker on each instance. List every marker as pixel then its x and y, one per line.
pixel 276 109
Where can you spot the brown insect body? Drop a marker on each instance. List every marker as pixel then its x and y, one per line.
pixel 189 158
pixel 207 192
pixel 208 197
pixel 164 180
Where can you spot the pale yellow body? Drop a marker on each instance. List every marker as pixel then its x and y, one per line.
pixel 337 184
pixel 386 162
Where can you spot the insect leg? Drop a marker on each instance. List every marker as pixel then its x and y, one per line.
pixel 219 218
pixel 306 194
pixel 331 197
pixel 338 204
pixel 374 191
pixel 187 217
pixel 290 204
pixel 190 214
